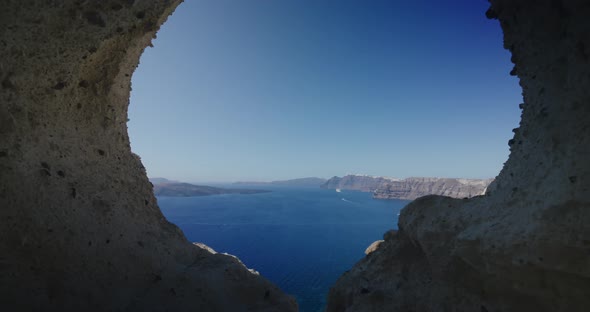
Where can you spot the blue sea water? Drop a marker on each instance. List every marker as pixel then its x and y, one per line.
pixel 300 239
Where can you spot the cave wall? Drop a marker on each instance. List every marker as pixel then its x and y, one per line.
pixel 79 225
pixel 525 245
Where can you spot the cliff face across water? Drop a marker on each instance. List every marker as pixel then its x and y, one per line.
pixel 412 188
pixel 80 228
pixel 524 246
pixel 409 188
pixel 355 182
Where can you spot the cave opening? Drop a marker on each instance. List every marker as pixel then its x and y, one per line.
pixel 247 93
pixel 80 228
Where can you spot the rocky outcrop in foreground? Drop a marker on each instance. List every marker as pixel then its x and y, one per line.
pixel 80 228
pixel 409 188
pixel 525 245
pixel 412 188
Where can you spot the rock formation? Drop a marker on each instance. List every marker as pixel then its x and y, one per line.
pixel 412 188
pixel 80 228
pixel 373 246
pixel 525 246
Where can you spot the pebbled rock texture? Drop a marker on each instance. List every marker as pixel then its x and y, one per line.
pixel 80 228
pixel 525 245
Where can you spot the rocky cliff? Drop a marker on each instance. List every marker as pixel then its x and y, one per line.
pixel 409 188
pixel 363 183
pixel 412 188
pixel 525 245
pixel 80 229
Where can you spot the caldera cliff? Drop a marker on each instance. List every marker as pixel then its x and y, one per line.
pixel 409 188
pixel 412 188
pixel 525 245
pixel 363 183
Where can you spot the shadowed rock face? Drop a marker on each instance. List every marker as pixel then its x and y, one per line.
pixel 525 246
pixel 79 225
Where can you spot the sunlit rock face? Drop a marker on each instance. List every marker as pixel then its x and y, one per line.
pixel 413 188
pixel 525 246
pixel 80 228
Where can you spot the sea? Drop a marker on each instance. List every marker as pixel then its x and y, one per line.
pixel 301 239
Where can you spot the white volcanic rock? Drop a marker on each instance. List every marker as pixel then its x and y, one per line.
pixel 373 246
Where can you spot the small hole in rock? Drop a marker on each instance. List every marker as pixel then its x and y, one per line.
pixel 94 18
pixel 60 85
pixel 7 84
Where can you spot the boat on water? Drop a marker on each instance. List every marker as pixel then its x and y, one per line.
pixel 338 190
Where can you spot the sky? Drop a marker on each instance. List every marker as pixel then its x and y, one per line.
pixel 264 90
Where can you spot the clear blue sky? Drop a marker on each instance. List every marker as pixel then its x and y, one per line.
pixel 265 89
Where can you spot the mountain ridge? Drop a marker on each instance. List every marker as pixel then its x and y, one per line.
pixel 170 188
pixel 301 182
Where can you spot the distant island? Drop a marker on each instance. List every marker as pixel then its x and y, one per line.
pixel 409 188
pixel 301 182
pixel 169 188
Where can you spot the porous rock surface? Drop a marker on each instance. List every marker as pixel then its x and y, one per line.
pixel 80 228
pixel 525 245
